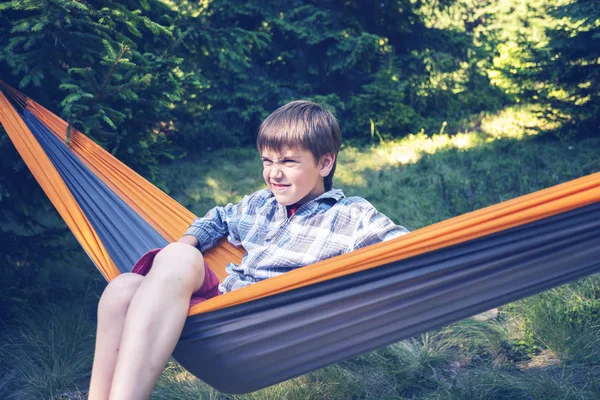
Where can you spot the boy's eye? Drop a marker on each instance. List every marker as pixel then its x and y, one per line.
pixel 289 162
pixel 267 161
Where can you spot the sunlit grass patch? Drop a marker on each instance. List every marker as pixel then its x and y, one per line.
pixel 225 176
pixel 408 150
pixel 455 181
pixel 515 122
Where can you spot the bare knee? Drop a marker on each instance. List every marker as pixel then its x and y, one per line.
pixel 117 295
pixel 179 264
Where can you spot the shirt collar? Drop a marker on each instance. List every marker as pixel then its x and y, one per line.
pixel 335 194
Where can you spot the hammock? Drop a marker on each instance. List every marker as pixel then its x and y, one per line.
pixel 324 313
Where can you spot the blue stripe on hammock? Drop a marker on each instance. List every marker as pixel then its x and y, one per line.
pixel 124 233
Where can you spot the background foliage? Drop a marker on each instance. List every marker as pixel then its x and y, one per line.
pixel 204 74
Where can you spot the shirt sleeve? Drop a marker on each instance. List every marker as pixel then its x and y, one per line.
pixel 218 223
pixel 375 227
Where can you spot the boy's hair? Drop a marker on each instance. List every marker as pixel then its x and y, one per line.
pixel 305 124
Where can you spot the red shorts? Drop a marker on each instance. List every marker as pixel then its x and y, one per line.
pixel 208 290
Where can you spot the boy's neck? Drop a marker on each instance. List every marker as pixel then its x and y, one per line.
pixel 312 195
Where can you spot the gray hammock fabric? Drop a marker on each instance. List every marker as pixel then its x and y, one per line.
pixel 250 346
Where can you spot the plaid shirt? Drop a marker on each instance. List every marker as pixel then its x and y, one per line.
pixel 327 226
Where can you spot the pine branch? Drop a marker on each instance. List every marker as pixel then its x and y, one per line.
pixel 125 49
pixel 102 91
pixel 173 43
pixel 91 80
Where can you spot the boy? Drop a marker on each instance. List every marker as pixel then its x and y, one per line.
pixel 297 220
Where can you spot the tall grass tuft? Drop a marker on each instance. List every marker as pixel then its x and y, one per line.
pixel 508 384
pixel 566 320
pixel 7 377
pixel 48 352
pixel 414 367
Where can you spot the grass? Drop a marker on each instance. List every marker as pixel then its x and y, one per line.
pixel 46 353
pixel 566 320
pixel 501 383
pixel 543 347
pixel 176 383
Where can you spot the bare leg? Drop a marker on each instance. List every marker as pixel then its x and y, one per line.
pixel 155 320
pixel 112 310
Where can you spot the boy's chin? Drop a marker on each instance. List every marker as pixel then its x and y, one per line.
pixel 285 200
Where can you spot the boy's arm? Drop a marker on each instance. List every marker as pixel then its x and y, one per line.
pixel 189 239
pixel 206 232
pixel 375 227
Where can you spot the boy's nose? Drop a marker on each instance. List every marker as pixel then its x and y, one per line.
pixel 275 173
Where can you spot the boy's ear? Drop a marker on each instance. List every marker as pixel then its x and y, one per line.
pixel 326 164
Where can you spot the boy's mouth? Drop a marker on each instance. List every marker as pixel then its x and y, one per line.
pixel 278 186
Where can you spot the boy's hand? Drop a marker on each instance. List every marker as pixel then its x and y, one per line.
pixel 189 239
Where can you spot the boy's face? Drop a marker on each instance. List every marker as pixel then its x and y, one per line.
pixel 293 175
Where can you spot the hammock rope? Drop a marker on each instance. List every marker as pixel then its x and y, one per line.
pixel 322 313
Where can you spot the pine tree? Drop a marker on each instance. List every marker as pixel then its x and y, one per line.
pixel 378 62
pixel 547 53
pixel 567 70
pixel 106 68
